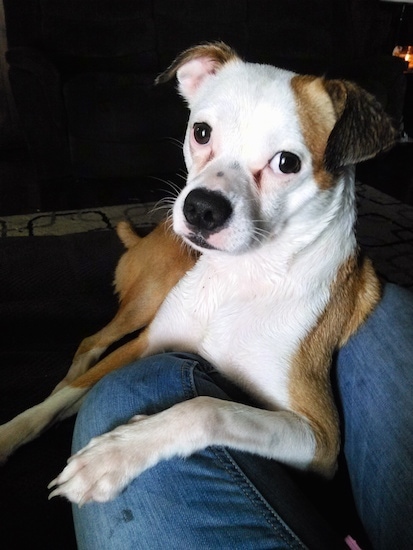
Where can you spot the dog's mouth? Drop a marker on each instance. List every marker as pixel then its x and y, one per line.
pixel 199 241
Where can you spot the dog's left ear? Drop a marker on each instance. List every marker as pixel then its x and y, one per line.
pixel 194 65
pixel 362 129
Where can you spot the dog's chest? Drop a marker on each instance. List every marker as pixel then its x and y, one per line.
pixel 248 325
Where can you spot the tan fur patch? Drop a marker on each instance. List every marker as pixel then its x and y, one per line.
pixel 145 274
pixel 354 294
pixel 312 99
pixel 122 356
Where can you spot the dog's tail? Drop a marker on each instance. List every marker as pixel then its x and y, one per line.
pixel 127 234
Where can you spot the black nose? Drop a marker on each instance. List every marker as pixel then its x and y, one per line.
pixel 207 210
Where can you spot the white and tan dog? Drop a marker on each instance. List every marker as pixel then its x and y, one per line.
pixel 279 284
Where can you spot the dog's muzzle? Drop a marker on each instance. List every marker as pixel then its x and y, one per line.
pixel 206 211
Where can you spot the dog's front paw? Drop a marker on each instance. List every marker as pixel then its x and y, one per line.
pixel 102 469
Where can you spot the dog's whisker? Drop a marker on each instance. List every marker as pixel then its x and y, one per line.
pixel 162 180
pixel 159 207
pixel 167 202
pixel 259 226
pixel 169 199
pixel 175 187
pixel 164 204
pixel 176 141
pixel 182 174
pixel 256 237
pixel 259 234
pixel 172 188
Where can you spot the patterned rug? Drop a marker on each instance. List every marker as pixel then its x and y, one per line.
pixel 80 221
pixel 385 232
pixel 385 228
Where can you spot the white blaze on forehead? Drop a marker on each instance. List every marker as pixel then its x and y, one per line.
pixel 252 111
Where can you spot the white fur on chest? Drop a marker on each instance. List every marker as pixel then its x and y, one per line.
pixel 246 315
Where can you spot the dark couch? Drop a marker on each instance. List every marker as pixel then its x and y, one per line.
pixel 82 73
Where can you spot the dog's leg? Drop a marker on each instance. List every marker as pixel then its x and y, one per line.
pixel 145 274
pixel 31 423
pixel 109 462
pixel 127 320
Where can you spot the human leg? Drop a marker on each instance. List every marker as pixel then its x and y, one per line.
pixel 204 501
pixel 375 384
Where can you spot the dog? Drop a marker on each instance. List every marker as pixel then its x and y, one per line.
pixel 266 279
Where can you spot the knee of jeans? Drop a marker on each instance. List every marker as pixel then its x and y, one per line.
pixel 106 405
pixel 116 385
pixel 146 386
pixel 99 412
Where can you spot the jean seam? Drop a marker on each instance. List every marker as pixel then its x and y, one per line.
pixel 255 497
pixel 187 376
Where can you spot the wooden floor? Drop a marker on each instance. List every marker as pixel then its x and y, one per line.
pixel 21 193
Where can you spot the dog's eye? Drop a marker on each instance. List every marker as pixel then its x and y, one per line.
pixel 289 163
pixel 202 132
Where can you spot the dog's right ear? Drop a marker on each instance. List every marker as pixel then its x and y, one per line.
pixel 194 65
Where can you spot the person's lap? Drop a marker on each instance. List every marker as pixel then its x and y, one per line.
pixel 204 501
pixel 225 499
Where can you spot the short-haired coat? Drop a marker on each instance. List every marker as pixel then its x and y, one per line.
pixel 279 284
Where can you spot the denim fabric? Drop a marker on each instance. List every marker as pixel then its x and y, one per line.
pixel 204 501
pixel 375 384
pixel 209 501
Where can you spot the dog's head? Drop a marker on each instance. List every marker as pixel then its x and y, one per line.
pixel 265 146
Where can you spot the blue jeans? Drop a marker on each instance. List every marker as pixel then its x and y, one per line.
pixel 231 500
